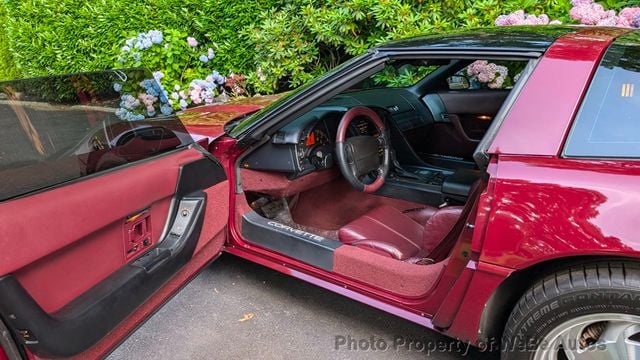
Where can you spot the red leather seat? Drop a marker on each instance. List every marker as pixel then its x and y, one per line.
pixel 408 237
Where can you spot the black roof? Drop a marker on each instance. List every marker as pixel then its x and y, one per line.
pixel 527 38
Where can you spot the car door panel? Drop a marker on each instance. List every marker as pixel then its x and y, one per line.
pixel 107 209
pixel 63 299
pixel 461 120
pixel 87 212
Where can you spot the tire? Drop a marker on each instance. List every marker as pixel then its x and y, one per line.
pixel 582 309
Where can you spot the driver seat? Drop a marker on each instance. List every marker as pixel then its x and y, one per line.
pixel 389 232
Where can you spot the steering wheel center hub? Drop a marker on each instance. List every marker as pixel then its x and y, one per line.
pixel 363 154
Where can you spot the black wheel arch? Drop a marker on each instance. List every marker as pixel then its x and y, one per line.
pixel 502 301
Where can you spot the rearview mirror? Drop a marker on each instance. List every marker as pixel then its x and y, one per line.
pixel 458 82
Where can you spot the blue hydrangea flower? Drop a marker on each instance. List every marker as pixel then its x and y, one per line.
pixel 155 36
pixel 203 58
pixel 152 91
pixel 219 79
pixel 117 87
pixel 183 104
pixel 129 102
pixel 163 97
pixel 158 75
pixel 166 110
pixel 136 56
pixel 127 115
pixel 154 88
pixel 143 41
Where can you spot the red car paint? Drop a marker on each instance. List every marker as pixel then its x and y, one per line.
pixel 558 82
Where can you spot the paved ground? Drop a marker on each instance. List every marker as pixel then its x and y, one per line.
pixel 283 318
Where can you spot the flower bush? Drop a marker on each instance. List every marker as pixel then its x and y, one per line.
pixel 586 12
pixel 185 65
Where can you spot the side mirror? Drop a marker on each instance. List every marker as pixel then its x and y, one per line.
pixel 458 82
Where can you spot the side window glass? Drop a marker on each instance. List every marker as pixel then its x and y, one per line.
pixel 608 123
pixel 61 128
pixel 487 74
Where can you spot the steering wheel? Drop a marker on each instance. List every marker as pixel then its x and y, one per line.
pixel 359 156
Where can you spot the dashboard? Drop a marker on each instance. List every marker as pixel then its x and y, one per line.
pixel 307 144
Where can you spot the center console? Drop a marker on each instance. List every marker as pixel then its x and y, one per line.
pixel 429 186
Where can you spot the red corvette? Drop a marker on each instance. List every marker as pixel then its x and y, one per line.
pixel 500 211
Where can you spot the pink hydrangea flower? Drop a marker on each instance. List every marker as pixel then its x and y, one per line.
pixel 192 41
pixel 627 15
pixel 519 17
pixel 581 2
pixel 609 21
pixel 623 22
pixel 147 100
pixel 589 13
pixel 488 73
pixel 208 91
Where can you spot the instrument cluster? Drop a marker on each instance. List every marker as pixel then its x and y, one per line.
pixel 316 148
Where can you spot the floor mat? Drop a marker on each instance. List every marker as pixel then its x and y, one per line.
pixel 335 204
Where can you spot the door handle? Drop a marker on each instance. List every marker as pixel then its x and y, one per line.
pixel 137 234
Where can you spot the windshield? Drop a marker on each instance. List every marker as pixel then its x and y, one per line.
pixel 399 74
pixel 60 128
pixel 246 124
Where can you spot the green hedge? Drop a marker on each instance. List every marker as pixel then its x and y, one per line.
pixel 278 43
pixel 8 68
pixel 65 36
pixel 297 42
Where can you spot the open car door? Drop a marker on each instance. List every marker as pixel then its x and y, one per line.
pixel 107 207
